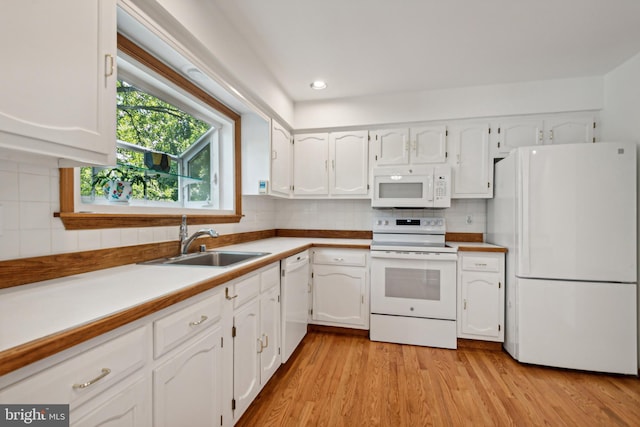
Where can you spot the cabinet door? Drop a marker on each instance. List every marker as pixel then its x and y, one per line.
pixel 281 161
pixel 58 81
pixel 472 170
pixel 270 334
pixel 517 133
pixel 481 304
pixel 339 295
pixel 349 171
pixel 127 406
pixel 392 147
pixel 187 388
pixel 311 164
pixel 428 144
pixel 569 130
pixel 246 361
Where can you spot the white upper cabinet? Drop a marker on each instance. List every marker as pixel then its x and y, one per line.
pixel 328 165
pixel 391 147
pixel 471 166
pixel 281 160
pixel 310 164
pixel 415 146
pixel 58 81
pixel 569 129
pixel 514 133
pixel 562 128
pixel 349 171
pixel 428 144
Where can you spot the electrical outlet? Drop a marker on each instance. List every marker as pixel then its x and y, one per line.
pixel 469 219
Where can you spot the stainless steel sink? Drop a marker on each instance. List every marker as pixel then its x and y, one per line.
pixel 209 259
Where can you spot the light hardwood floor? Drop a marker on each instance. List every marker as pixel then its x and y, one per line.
pixel 343 380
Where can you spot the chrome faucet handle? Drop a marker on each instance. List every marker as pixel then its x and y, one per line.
pixel 183 229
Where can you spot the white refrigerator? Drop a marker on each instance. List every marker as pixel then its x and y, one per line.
pixel 567 215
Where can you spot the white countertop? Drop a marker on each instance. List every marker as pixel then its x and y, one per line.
pixel 477 245
pixel 33 311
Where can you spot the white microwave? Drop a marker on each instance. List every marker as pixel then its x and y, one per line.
pixel 412 187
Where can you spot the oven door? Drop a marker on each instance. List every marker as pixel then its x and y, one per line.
pixel 416 284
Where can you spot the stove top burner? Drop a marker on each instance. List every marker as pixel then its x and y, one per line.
pixel 409 235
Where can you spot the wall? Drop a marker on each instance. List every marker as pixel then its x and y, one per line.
pixel 620 118
pixel 30 195
pixel 203 29
pixel 549 96
pixel 358 214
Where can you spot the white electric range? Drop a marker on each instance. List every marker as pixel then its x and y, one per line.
pixel 413 282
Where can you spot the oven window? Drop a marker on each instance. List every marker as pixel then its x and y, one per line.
pixel 400 190
pixel 412 283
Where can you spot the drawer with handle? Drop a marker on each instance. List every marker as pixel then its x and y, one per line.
pixel 350 257
pixel 481 263
pixel 82 377
pixel 177 327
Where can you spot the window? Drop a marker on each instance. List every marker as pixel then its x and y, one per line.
pixel 179 146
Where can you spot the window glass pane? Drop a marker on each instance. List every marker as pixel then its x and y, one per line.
pixel 153 138
pixel 199 167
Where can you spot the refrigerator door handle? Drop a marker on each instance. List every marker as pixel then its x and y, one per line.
pixel 525 225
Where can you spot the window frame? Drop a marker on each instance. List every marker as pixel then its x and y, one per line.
pixel 73 220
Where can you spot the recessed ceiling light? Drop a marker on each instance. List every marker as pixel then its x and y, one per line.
pixel 319 85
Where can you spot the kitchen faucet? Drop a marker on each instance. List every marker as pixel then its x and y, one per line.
pixel 186 242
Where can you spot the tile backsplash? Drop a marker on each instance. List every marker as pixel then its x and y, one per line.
pixel 30 195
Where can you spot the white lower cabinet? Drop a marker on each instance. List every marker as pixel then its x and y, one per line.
pixel 127 405
pixel 256 335
pixel 481 296
pixel 187 388
pixel 188 364
pixel 340 288
pixel 84 379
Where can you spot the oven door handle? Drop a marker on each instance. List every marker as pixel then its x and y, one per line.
pixel 425 256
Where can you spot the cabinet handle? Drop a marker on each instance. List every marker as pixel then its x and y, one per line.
pixel 108 65
pixel 226 294
pixel 551 135
pixel 338 259
pixel 104 373
pixel 465 304
pixel 481 265
pixel 333 164
pixel 197 322
pixel 266 338
pixel 261 347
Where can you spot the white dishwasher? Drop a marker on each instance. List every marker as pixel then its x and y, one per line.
pixel 294 292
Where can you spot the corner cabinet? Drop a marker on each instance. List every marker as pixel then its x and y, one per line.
pixel 281 161
pixel 59 80
pixel 481 296
pixel 340 288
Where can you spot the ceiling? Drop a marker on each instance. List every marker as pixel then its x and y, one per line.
pixel 367 47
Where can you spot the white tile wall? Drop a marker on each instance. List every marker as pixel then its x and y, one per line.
pixel 29 196
pixel 464 215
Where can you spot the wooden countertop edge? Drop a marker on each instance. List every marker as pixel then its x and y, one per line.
pixel 33 351
pixel 481 249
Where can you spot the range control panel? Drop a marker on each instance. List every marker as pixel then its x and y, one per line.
pixel 409 225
